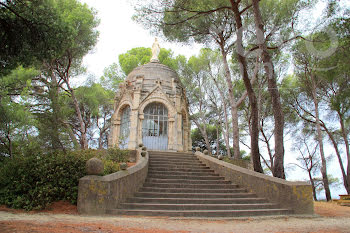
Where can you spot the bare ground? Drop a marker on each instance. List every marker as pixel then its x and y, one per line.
pixel 63 217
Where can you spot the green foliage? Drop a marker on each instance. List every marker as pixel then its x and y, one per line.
pixel 96 106
pixel 110 167
pixel 112 77
pixel 34 180
pixel 198 139
pixel 94 98
pixel 117 155
pixel 15 117
pixel 30 31
pixel 140 56
pixel 134 58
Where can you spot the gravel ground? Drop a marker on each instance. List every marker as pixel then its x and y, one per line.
pixel 63 217
pixel 10 222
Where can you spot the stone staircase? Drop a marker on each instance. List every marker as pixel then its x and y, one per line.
pixel 178 184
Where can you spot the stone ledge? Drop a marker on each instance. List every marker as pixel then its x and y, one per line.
pixel 96 194
pixel 296 196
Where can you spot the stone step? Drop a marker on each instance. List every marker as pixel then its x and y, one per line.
pixel 189 177
pixel 161 169
pixel 169 153
pixel 167 166
pixel 177 173
pixel 244 200
pixel 194 195
pixel 191 185
pixel 180 185
pixel 170 158
pixel 159 155
pixel 191 190
pixel 200 213
pixel 155 206
pixel 164 163
pixel 186 181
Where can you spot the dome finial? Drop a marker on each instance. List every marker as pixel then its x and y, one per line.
pixel 155 51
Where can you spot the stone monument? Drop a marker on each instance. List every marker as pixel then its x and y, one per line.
pixel 151 108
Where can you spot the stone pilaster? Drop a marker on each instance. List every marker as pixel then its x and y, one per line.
pixel 171 134
pixel 132 145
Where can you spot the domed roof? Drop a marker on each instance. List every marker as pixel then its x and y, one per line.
pixel 154 72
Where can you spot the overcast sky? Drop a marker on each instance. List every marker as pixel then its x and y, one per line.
pixel 118 34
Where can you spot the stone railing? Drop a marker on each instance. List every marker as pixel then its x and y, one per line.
pixel 296 196
pixel 96 194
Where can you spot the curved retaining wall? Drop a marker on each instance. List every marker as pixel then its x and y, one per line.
pixel 296 196
pixel 96 194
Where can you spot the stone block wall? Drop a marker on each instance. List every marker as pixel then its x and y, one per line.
pixel 96 194
pixel 296 196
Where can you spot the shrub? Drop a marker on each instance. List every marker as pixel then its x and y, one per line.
pixel 110 167
pixel 34 181
pixel 117 155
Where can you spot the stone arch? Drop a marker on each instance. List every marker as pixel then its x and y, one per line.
pixel 118 111
pixel 169 106
pixel 171 118
pixel 116 122
pixel 186 130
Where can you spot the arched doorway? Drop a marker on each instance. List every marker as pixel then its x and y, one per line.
pixel 155 127
pixel 124 128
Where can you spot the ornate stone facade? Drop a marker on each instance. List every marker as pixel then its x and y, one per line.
pixel 151 108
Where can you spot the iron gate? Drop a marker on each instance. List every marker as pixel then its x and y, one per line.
pixel 155 127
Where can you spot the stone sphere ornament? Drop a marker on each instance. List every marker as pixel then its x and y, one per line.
pixel 206 152
pixel 220 157
pixel 198 148
pixel 140 145
pixel 94 166
pixel 144 148
pixel 143 153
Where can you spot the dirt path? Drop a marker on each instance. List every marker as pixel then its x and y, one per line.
pixel 333 219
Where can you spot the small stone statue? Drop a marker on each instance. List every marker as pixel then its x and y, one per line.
pixel 155 51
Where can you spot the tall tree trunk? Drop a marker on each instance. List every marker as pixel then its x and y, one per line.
pixel 320 141
pixel 100 141
pixel 205 135
pixel 345 138
pixel 233 105
pixel 227 133
pixel 254 137
pixel 217 139
pixel 278 169
pixel 312 186
pixel 72 136
pixel 10 149
pixel 55 119
pixel 83 138
pixel 335 146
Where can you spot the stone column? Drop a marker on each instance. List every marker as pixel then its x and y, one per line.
pixel 185 141
pixel 171 134
pixel 134 120
pixel 115 133
pixel 139 133
pixel 133 130
pixel 179 146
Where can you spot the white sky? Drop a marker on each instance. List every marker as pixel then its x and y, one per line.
pixel 118 34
